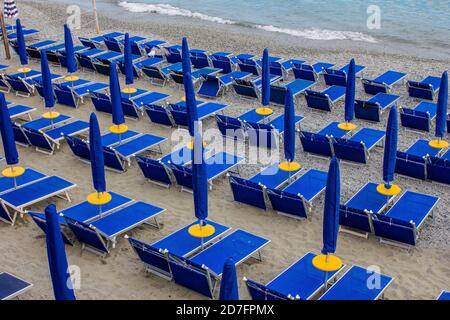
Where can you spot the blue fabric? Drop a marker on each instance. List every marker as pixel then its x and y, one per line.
pixel 96 154
pixel 128 61
pixel 57 259
pixel 200 179
pixel 390 146
pixel 191 104
pixel 289 127
pixel 21 46
pixel 350 92
pixel 229 285
pixel 49 97
pixel 116 98
pixel 185 56
pixel 70 52
pixel 442 104
pixel 9 145
pixel 331 209
pixel 265 77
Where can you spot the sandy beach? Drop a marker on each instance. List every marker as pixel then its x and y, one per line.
pixel 419 273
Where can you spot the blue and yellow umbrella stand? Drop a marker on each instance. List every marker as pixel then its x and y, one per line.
pixel 391 190
pixel 99 198
pixel 289 166
pixel 201 231
pixel 438 144
pixel 347 126
pixel 265 111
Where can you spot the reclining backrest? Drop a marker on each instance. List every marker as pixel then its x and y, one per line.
pixel 87 42
pixel 79 147
pixel 420 90
pixel 373 87
pixel 316 144
pixel 38 139
pixel 112 159
pixel 154 170
pixel 129 109
pixel 154 259
pixel 304 71
pixel 288 203
pixel 248 192
pixel 275 68
pixel 410 165
pixel 230 127
pixel 335 77
pixel 42 224
pixel 39 87
pixel 62 59
pixel 179 114
pixel 394 229
pixel 367 110
pixel 222 62
pixel 158 114
pixel 112 44
pixel 101 66
pixel 210 86
pixel 84 61
pixel 248 65
pixel 261 135
pixel 101 102
pixel 174 55
pixel 199 60
pixel 415 119
pixel 88 236
pixel 438 170
pixel 17 84
pixel 177 76
pixel 19 135
pixel 355 219
pixel 317 100
pixel 260 292
pixel 182 174
pixel 278 94
pixel 64 95
pixel 192 276
pixel 349 150
pixel 135 49
pixel 153 72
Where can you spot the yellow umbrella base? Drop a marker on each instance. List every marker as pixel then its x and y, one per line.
pixel 264 111
pixel 438 144
pixel 99 199
pixel 190 145
pixel 13 172
pixel 24 70
pixel 118 129
pixel 289 166
pixel 392 191
pixel 72 78
pixel 129 90
pixel 347 126
pixel 199 231
pixel 51 115
pixel 326 263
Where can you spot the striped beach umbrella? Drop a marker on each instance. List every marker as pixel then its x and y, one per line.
pixel 10 9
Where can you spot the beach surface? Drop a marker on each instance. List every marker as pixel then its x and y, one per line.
pixel 419 273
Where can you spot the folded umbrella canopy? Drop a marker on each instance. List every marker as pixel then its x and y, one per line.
pixel 185 56
pixel 441 114
pixel 191 104
pixel 349 109
pixel 128 64
pixel 390 155
pixel 47 87
pixel 70 53
pixel 21 47
pixel 118 118
pixel 57 259
pixel 228 283
pixel 265 85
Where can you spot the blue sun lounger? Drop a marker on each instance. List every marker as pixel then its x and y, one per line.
pixel 300 281
pixel 29 176
pixel 159 114
pixel 253 191
pixel 438 168
pixel 401 224
pixel 16 201
pixel 27 33
pixel 204 110
pixel 424 89
pixel 353 285
pixel 19 110
pixel 12 286
pixel 62 56
pixel 250 88
pixel 22 84
pixel 181 243
pixel 74 96
pixel 159 75
pixel 373 108
pixel 338 77
pixel 102 61
pixel 297 86
pixel 85 58
pixel 223 60
pixel 217 165
pixel 102 233
pixel 236 128
pixel 383 83
pixel 213 85
pixel 296 199
pixel 268 134
pixel 48 141
pixel 247 63
pixel 326 99
pixel 177 75
pixel 134 105
pixel 310 72
pixel 34 49
pixel 444 295
pixel 119 157
pixel 39 124
pixel 421 148
pixel 282 68
pixel 202 272
pixel 358 146
pixel 368 199
pixel 419 117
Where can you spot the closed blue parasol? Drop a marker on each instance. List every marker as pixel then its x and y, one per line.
pixel 116 97
pixel 9 145
pixel 265 89
pixel 47 86
pixel 228 284
pixel 185 56
pixel 441 114
pixel 331 208
pixel 70 53
pixel 289 127
pixel 191 103
pixel 57 260
pixel 96 154
pixel 128 61
pixel 21 47
pixel 349 98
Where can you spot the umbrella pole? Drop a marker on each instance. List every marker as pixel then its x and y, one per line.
pixel 14 178
pixel 326 274
pixel 200 222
